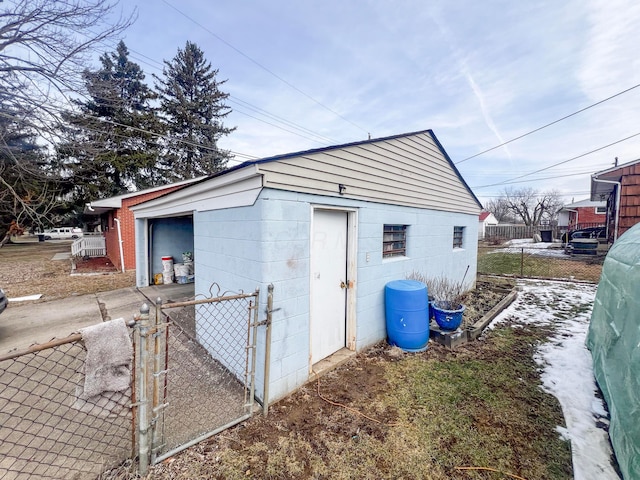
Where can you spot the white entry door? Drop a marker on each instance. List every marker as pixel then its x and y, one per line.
pixel 328 283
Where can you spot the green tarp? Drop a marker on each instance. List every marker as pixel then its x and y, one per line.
pixel 614 341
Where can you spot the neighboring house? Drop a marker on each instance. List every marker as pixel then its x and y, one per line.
pixel 328 228
pixel 619 187
pixel 583 214
pixel 115 220
pixel 486 218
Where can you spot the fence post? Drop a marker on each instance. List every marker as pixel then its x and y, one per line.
pixel 250 364
pixel 142 393
pixel 157 406
pixel 267 353
pixel 522 262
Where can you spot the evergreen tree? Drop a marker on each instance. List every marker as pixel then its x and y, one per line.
pixel 192 106
pixel 110 145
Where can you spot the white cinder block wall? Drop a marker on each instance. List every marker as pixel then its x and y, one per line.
pixel 429 251
pixel 269 242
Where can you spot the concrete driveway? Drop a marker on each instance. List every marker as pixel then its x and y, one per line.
pixel 23 325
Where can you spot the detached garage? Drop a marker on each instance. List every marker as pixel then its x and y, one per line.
pixel 328 228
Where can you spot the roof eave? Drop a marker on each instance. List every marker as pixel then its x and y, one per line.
pixel 217 180
pixel 603 183
pixel 90 209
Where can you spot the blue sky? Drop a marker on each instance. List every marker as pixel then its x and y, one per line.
pixel 476 73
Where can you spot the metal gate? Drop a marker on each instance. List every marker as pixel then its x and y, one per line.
pixel 200 357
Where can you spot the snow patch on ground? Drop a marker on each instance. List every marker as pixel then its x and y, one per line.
pixel 541 249
pixel 566 365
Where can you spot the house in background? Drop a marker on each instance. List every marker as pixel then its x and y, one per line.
pixel 328 228
pixel 485 219
pixel 583 214
pixel 619 187
pixel 115 220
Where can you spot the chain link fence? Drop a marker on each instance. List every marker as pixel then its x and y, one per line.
pixel 204 369
pixel 194 375
pixel 46 429
pixel 541 260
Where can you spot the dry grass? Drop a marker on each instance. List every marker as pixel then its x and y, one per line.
pixel 499 262
pixel 427 415
pixel 27 268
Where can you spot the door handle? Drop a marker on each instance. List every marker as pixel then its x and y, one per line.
pixel 343 285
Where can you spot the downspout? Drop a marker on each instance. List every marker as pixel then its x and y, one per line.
pixel 576 225
pixel 619 184
pixel 117 220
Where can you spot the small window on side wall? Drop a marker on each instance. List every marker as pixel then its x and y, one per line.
pixel 458 237
pixel 394 241
pixel 601 210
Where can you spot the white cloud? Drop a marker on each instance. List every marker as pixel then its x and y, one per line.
pixel 610 58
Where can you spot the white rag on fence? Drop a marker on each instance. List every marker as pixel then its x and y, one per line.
pixel 107 366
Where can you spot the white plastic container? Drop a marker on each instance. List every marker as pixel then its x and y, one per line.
pixel 167 269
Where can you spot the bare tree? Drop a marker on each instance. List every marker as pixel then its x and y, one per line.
pixel 500 209
pixel 45 46
pixel 28 192
pixel 531 206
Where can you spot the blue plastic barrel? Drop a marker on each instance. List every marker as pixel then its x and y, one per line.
pixel 406 311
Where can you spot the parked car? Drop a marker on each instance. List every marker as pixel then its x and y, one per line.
pixel 3 301
pixel 590 232
pixel 61 233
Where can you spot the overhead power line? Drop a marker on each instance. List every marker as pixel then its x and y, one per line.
pixel 301 131
pixel 515 179
pixel 141 130
pixel 564 194
pixel 534 180
pixel 549 124
pixel 555 172
pixel 271 72
pixel 261 111
pixel 281 128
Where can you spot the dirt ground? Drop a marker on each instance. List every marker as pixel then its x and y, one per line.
pixel 333 427
pixel 93 265
pixel 27 268
pixel 484 297
pixel 342 406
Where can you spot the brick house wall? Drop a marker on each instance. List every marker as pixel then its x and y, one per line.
pixel 127 227
pixel 629 198
pixel 587 217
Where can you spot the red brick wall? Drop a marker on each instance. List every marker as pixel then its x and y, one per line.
pixel 629 198
pixel 127 227
pixel 589 215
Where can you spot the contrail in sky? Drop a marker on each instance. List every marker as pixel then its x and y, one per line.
pixel 486 115
pixel 485 111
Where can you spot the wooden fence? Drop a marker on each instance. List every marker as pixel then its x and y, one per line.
pixel 511 232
